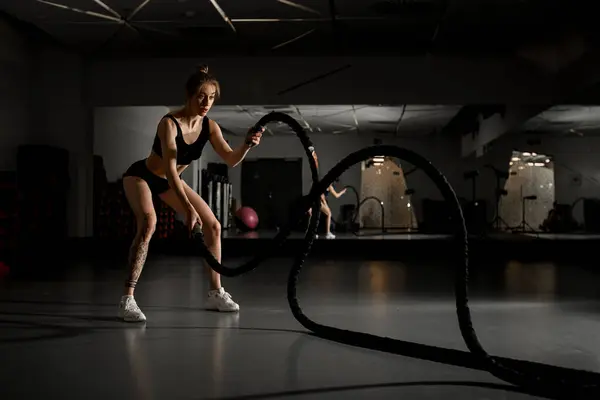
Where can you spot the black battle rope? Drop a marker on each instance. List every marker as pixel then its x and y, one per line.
pixel 285 230
pixel 541 379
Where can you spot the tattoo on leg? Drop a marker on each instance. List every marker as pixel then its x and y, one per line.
pixel 137 257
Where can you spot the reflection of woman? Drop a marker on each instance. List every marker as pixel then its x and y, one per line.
pixel 324 206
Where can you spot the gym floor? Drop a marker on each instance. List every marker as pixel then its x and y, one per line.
pixel 59 337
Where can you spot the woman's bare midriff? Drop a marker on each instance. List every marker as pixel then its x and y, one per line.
pixel 155 164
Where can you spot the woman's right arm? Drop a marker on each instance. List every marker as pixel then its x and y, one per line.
pixel 335 194
pixel 167 131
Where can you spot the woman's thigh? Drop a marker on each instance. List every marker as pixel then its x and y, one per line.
pixel 139 197
pixel 204 212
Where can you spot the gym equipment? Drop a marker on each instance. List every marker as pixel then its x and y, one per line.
pixel 218 194
pixel 246 219
pixel 523 225
pixel 538 379
pixel 498 222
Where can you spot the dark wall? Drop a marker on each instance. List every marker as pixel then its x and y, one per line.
pixel 43 102
pixel 368 80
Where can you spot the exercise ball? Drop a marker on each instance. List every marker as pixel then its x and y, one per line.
pixel 246 219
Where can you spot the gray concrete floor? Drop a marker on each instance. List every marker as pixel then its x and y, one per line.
pixel 59 338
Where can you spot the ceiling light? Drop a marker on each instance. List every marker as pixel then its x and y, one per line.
pixel 92 13
pixel 223 15
pixel 299 6
pixel 515 159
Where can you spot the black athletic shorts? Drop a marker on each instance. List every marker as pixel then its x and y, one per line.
pixel 157 184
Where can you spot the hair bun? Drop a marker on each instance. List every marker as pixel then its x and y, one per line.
pixel 203 68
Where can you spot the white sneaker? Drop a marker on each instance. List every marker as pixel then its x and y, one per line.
pixel 330 236
pixel 220 300
pixel 129 310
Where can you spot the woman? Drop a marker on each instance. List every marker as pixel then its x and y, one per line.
pixel 324 206
pixel 180 139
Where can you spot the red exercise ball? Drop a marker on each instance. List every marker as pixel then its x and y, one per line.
pixel 247 219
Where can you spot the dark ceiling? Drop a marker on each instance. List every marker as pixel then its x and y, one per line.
pixel 304 27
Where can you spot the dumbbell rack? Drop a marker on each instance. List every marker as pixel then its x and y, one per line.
pixel 217 191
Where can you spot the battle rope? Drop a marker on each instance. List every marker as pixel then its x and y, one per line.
pixel 541 379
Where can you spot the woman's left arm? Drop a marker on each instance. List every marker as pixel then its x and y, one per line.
pixel 232 157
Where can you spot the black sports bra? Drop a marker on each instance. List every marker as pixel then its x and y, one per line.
pixel 186 153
